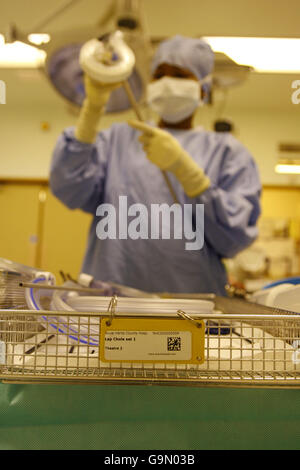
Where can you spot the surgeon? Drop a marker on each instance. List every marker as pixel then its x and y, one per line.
pixel 91 168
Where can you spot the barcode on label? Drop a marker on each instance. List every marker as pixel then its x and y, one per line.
pixel 174 343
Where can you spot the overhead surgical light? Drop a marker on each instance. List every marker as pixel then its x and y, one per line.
pixel 62 64
pixel 59 55
pixel 286 167
pixel 39 39
pixel 265 55
pixel 18 54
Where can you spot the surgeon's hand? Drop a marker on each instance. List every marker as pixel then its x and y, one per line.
pixel 97 96
pixel 98 93
pixel 164 150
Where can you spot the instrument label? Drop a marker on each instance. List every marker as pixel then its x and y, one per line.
pixel 135 340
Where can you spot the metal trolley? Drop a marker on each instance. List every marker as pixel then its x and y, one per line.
pixel 240 351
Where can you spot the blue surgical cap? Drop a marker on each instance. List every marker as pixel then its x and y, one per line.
pixel 192 54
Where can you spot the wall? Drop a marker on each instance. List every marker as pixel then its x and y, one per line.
pixel 261 131
pixel 26 148
pixel 38 232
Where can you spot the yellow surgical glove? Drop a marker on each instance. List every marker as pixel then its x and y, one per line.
pixel 164 150
pixel 97 96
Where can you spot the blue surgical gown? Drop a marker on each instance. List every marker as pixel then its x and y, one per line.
pixel 86 175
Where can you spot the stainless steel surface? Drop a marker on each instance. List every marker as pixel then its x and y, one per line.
pixel 13 297
pixel 241 306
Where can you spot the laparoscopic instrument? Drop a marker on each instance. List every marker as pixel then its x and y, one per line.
pixel 110 60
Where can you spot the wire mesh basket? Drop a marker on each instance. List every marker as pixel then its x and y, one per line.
pixel 12 297
pixel 240 350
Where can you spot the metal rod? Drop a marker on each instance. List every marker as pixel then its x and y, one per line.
pixel 42 198
pixel 168 295
pixel 133 101
pixel 38 346
pixel 138 113
pixel 86 290
pixel 38 28
pixel 171 189
pixel 199 316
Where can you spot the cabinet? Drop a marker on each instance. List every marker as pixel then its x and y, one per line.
pixel 38 230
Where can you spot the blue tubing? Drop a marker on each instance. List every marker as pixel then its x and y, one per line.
pixel 288 280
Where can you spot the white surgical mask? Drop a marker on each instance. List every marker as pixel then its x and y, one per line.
pixel 174 99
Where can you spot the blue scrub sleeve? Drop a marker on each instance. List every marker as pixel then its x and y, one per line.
pixel 232 205
pixel 78 171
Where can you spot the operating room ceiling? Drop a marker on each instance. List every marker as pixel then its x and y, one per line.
pixel 166 17
pixel 266 18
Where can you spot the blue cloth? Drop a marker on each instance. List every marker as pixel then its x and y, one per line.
pixel 193 54
pixel 85 176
